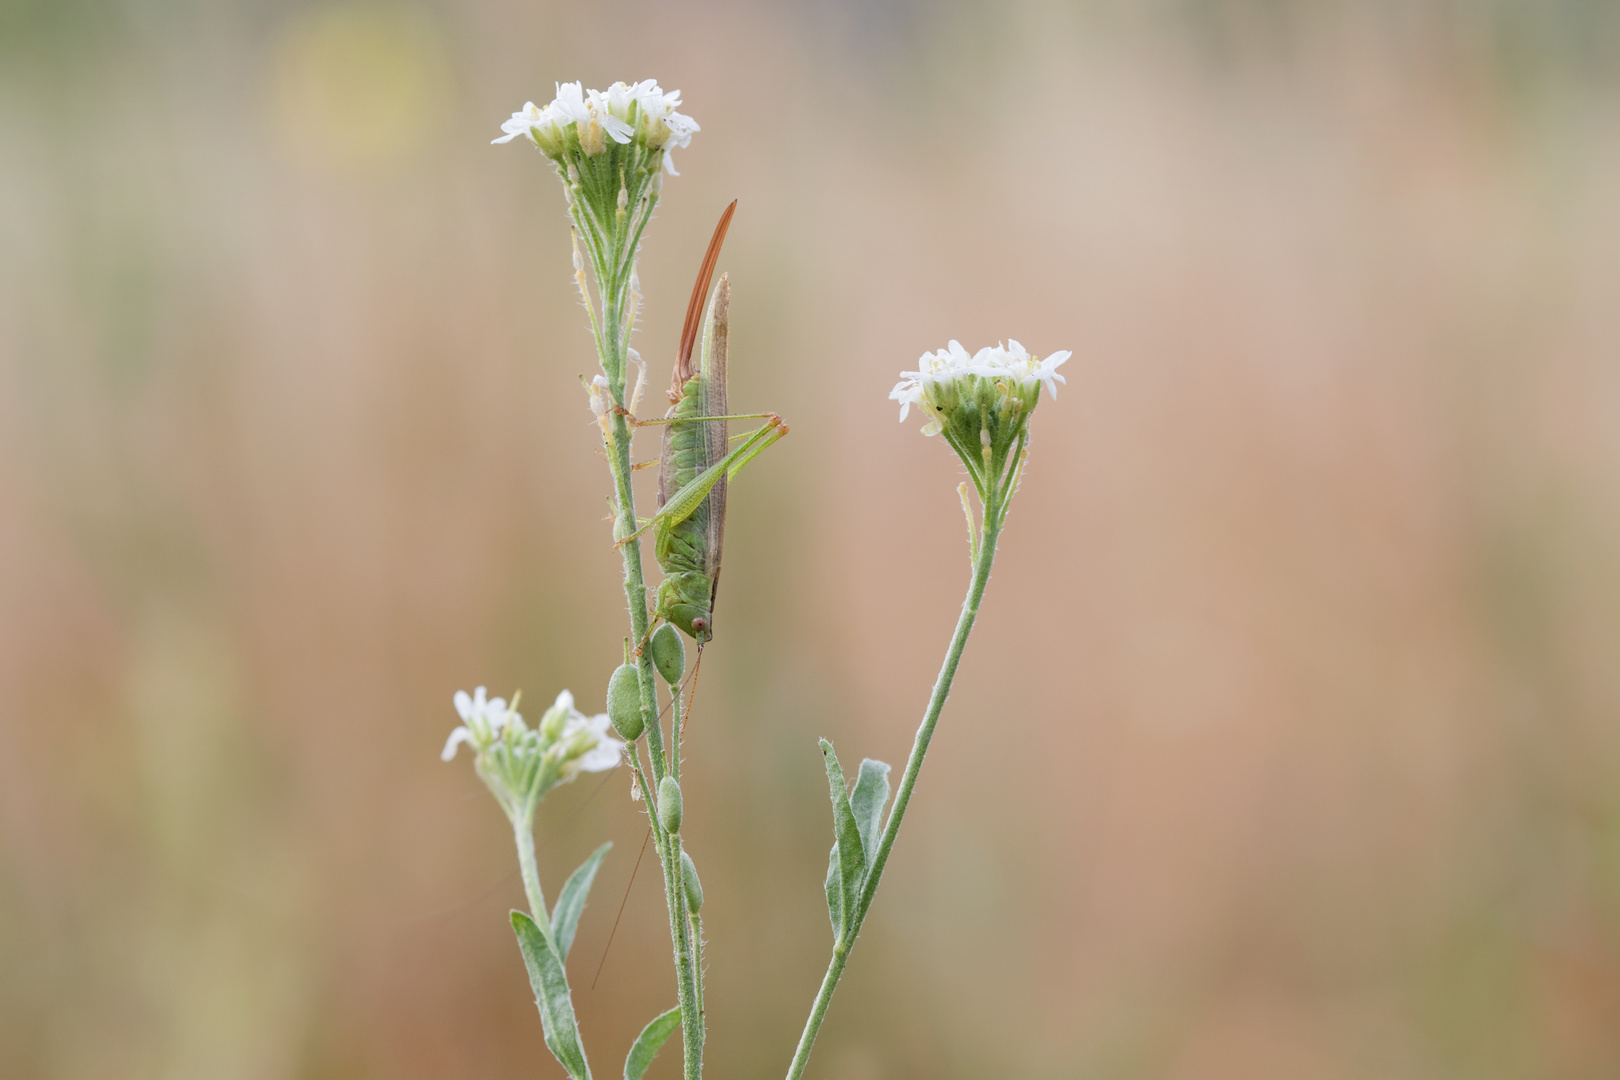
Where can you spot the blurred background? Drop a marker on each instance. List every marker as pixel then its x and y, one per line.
pixel 1287 743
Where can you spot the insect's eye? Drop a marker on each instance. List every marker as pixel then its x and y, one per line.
pixel 701 625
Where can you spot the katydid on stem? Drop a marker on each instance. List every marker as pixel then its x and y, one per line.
pixel 693 470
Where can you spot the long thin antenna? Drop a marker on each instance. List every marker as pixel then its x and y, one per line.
pixel 623 902
pixel 692 701
pixel 462 905
pixel 571 818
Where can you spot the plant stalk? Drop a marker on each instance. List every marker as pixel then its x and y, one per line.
pixel 523 832
pixel 635 594
pixel 990 531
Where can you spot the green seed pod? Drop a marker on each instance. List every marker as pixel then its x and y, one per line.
pixel 624 703
pixel 694 887
pixel 668 653
pixel 669 804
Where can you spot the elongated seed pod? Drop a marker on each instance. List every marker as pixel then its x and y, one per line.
pixel 669 804
pixel 624 703
pixel 694 887
pixel 668 653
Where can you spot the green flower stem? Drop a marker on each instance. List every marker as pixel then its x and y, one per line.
pixel 523 832
pixel 675 733
pixel 696 922
pixel 635 587
pixel 994 514
pixel 635 594
pixel 687 992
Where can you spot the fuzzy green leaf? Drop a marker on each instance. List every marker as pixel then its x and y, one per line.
pixel 649 1042
pixel 871 794
pixel 551 995
pixel 851 853
pixel 571 901
pixel 835 893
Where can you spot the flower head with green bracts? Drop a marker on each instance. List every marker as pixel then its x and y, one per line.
pixel 981 403
pixel 1005 372
pixel 611 148
pixel 520 765
pixel 581 122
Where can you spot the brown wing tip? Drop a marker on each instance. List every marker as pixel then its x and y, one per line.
pixel 722 300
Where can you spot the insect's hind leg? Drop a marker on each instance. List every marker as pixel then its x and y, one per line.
pixel 681 505
pixel 705 419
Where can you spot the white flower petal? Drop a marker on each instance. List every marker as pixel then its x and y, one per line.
pixel 601 757
pixel 457 737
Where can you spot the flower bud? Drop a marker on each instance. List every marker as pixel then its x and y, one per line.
pixel 669 804
pixel 694 887
pixel 668 653
pixel 555 720
pixel 624 703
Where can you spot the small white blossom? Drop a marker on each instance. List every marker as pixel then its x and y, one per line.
pixel 932 368
pixel 580 742
pixel 605 754
pixel 482 721
pixel 524 122
pixel 1016 362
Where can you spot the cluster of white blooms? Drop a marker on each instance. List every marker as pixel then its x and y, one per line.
pixel 623 113
pixel 570 740
pixel 1009 367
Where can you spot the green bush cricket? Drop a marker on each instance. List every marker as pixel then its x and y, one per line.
pixel 694 467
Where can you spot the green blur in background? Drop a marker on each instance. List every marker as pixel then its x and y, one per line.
pixel 1287 746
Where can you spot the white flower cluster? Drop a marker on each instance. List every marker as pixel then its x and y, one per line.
pixel 622 112
pixel 583 740
pixel 1009 366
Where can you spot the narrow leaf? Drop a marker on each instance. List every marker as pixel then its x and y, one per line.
pixel 871 794
pixel 851 854
pixel 835 893
pixel 571 901
pixel 649 1042
pixel 551 995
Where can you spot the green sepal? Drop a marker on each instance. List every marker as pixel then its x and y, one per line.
pixel 649 1042
pixel 550 985
pixel 571 901
pixel 866 802
pixel 851 852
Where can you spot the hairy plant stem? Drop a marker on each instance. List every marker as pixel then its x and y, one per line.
pixel 686 982
pixel 994 514
pixel 523 832
pixel 635 594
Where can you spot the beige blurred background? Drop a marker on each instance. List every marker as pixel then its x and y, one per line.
pixel 1288 745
